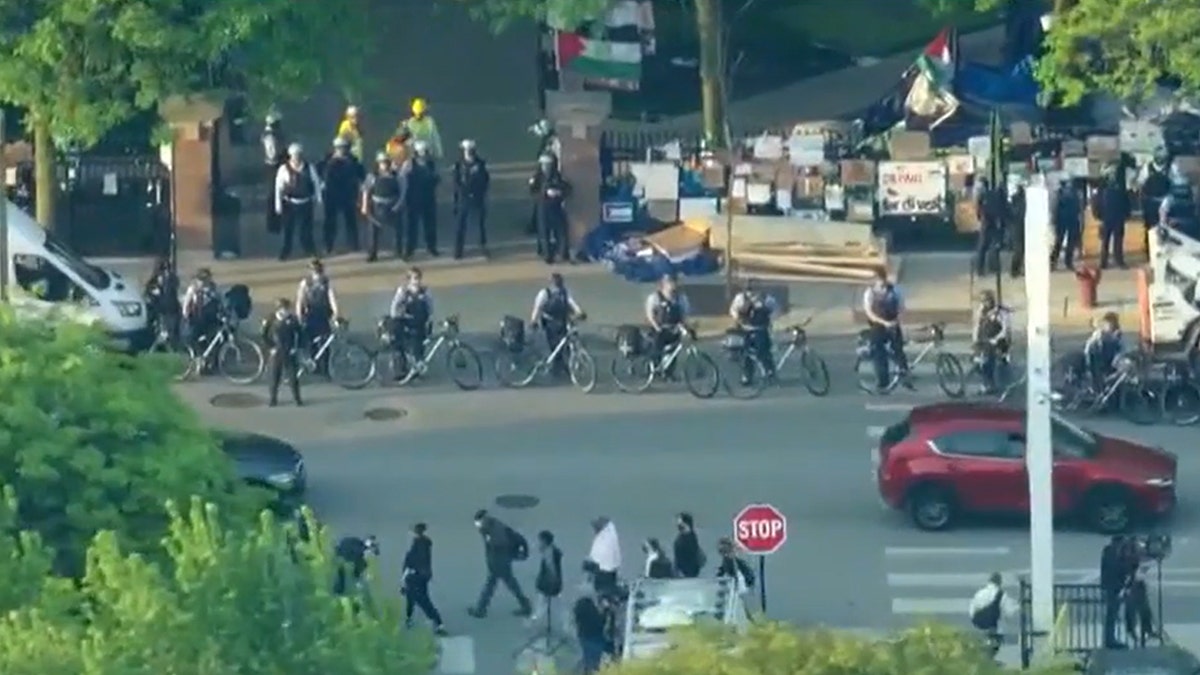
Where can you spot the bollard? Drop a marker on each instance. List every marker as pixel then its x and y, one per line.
pixel 1089 283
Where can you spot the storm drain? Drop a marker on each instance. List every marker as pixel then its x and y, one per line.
pixel 517 501
pixel 385 414
pixel 236 399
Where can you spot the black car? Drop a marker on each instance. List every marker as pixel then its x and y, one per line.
pixel 266 462
pixel 1165 660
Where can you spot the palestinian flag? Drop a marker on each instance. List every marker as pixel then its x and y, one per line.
pixel 930 97
pixel 619 63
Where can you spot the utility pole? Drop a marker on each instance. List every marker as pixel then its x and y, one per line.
pixel 5 261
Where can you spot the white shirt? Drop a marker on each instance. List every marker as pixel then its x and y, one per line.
pixel 741 300
pixel 685 308
pixel 302 295
pixel 539 302
pixel 1003 316
pixel 606 549
pixel 284 176
pixel 869 296
pixel 402 295
pixel 986 596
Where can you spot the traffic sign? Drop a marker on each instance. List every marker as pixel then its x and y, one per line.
pixel 760 528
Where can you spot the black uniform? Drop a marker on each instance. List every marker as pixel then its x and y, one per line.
pixel 297 216
pixel 556 312
pixel 385 202
pixel 273 144
pixel 471 181
pixel 162 301
pixel 282 333
pixel 755 316
pixel 418 572
pixel 342 177
pixel 550 213
pixel 886 340
pixel 411 315
pixel 1068 225
pixel 669 315
pixel 318 312
pixel 1154 189
pixel 421 204
pixel 991 323
pixel 204 315
pixel 1112 207
pixel 990 208
pixel 1016 231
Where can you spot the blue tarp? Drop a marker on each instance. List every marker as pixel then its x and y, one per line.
pixel 988 86
pixel 605 244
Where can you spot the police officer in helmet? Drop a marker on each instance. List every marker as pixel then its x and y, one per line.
pixel 883 304
pixel 667 310
pixel 753 310
pixel 201 308
pixel 550 190
pixel 421 176
pixel 283 333
pixel 471 183
pixel 297 187
pixel 990 337
pixel 162 298
pixel 274 146
pixel 411 312
pixel 383 204
pixel 316 305
pixel 553 309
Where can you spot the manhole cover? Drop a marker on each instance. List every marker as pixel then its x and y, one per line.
pixel 236 399
pixel 517 501
pixel 385 414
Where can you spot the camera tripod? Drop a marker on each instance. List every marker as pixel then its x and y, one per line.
pixel 547 641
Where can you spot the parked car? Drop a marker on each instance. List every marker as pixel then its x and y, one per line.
pixel 950 460
pixel 270 463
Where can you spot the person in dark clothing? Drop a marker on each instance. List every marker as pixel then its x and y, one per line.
pixel 418 572
pixel 689 557
pixel 658 565
pixel 590 630
pixel 882 305
pixel 667 310
pixel 283 333
pixel 1016 231
pixel 733 567
pixel 549 582
pixel 1112 215
pixel 989 209
pixel 274 145
pixel 753 310
pixel 383 205
pixel 316 306
pixel 342 177
pixel 297 187
pixel 553 310
pixel 548 144
pixel 1114 579
pixel 420 173
pixel 501 547
pixel 550 192
pixel 471 183
pixel 162 299
pixel 1139 619
pixel 1155 184
pixel 1068 225
pixel 350 554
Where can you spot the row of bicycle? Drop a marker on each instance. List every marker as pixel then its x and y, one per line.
pixel 519 360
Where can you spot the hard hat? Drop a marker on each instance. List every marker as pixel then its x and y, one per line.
pixel 382 156
pixel 468 144
pixel 272 117
pixel 419 106
pixel 352 111
pixel 295 150
pixel 420 146
pixel 341 142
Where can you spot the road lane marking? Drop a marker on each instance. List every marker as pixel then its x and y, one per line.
pixel 930 606
pixel 889 407
pixel 457 655
pixel 916 551
pixel 973 580
pixel 875 432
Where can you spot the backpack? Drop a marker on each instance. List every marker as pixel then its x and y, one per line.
pixel 520 546
pixel 988 617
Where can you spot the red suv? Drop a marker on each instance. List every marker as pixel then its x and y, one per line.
pixel 948 460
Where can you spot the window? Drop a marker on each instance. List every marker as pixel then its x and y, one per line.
pixel 1070 440
pixel 996 444
pixel 89 273
pixel 39 278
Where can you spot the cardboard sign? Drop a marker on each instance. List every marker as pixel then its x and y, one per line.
pixel 617 212
pixel 912 188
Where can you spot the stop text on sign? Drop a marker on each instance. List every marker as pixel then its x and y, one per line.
pixel 760 528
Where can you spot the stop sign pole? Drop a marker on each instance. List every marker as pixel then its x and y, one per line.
pixel 760 529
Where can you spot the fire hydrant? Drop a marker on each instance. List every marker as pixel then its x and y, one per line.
pixel 1089 283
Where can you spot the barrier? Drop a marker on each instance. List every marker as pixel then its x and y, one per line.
pixel 1079 628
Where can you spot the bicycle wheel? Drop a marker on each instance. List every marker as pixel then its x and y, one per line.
pixel 1140 405
pixel 516 369
pixel 701 374
pixel 815 373
pixel 864 371
pixel 351 365
pixel 632 374
pixel 746 378
pixel 950 375
pixel 392 368
pixel 1181 404
pixel 240 360
pixel 179 360
pixel 582 368
pixel 464 366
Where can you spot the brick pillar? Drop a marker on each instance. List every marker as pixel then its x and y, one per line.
pixel 578 117
pixel 192 184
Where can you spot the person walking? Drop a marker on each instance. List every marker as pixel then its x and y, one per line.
pixel 502 546
pixel 689 557
pixel 418 572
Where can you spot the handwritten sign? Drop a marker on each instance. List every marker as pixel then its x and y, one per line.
pixel 912 188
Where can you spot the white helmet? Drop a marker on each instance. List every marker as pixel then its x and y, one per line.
pixel 295 150
pixel 352 111
pixel 341 142
pixel 420 147
pixel 467 144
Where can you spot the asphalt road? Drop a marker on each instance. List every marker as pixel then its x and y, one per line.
pixel 639 459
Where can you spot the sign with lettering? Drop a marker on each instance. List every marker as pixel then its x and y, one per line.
pixel 912 188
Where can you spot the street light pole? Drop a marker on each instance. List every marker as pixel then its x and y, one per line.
pixel 1039 456
pixel 5 262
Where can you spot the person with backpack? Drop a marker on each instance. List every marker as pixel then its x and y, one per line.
pixel 988 606
pixel 733 567
pixel 502 546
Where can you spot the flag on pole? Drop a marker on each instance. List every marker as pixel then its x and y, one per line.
pixel 930 97
pixel 619 62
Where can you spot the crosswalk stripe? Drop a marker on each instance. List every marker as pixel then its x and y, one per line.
pixel 889 407
pixel 875 432
pixel 929 606
pixel 932 551
pixel 457 655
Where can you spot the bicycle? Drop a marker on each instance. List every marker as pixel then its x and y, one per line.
pixel 634 371
pixel 1006 379
pixel 237 357
pixel 342 355
pixel 167 345
pixel 1180 396
pixel 946 365
pixel 395 365
pixel 1125 388
pixel 751 374
pixel 517 368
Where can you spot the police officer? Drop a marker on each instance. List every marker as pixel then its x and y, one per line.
pixel 201 307
pixel 471 181
pixel 420 200
pixel 990 336
pixel 553 309
pixel 1016 230
pixel 753 310
pixel 882 304
pixel 282 333
pixel 382 204
pixel 1068 224
pixel 316 305
pixel 297 186
pixel 550 191
pixel 989 209
pixel 411 312
pixel 1155 182
pixel 1112 213
pixel 162 298
pixel 666 310
pixel 274 145
pixel 342 176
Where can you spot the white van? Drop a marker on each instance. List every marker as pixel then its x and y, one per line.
pixel 45 276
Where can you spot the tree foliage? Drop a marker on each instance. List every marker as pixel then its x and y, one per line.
pixel 772 648
pixel 92 440
pixel 226 603
pixel 500 14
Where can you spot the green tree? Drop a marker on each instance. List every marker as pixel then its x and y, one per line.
pixel 80 67
pixel 770 648
pixel 226 602
pixel 94 441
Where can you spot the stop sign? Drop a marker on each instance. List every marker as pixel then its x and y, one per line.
pixel 760 528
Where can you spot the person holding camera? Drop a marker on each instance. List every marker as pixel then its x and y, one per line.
pixel 502 546
pixel 418 572
pixel 1114 580
pixel 549 582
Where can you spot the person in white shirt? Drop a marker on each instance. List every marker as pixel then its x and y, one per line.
pixel 297 190
pixel 604 558
pixel 989 606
